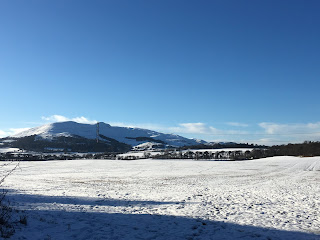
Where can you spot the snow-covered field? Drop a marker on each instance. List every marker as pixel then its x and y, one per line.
pixel 5 150
pixel 219 150
pixel 274 198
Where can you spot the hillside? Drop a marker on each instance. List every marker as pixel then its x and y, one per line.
pixel 72 136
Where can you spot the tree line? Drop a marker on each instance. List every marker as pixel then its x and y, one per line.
pixel 305 149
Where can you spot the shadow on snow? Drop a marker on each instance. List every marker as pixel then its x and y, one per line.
pixel 38 199
pixel 61 224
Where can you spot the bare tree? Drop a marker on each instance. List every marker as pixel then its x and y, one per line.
pixel 6 225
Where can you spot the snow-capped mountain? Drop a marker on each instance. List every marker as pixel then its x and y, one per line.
pixel 126 135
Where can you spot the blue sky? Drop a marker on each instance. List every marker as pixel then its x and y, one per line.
pixel 235 70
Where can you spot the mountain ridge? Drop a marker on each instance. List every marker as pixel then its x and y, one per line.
pixel 126 135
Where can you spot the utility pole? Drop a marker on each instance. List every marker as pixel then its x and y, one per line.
pixel 97 132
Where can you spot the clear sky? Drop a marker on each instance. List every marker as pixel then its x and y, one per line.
pixel 227 70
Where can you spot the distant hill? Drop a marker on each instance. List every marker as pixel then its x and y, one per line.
pixel 78 137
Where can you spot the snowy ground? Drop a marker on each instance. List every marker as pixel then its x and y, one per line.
pixel 274 198
pixel 139 154
pixel 5 150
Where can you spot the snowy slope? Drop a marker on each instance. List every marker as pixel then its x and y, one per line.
pixel 121 134
pixel 147 146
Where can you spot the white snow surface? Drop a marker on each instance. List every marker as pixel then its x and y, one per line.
pixel 272 198
pixel 5 150
pixel 139 154
pixel 146 146
pixel 121 134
